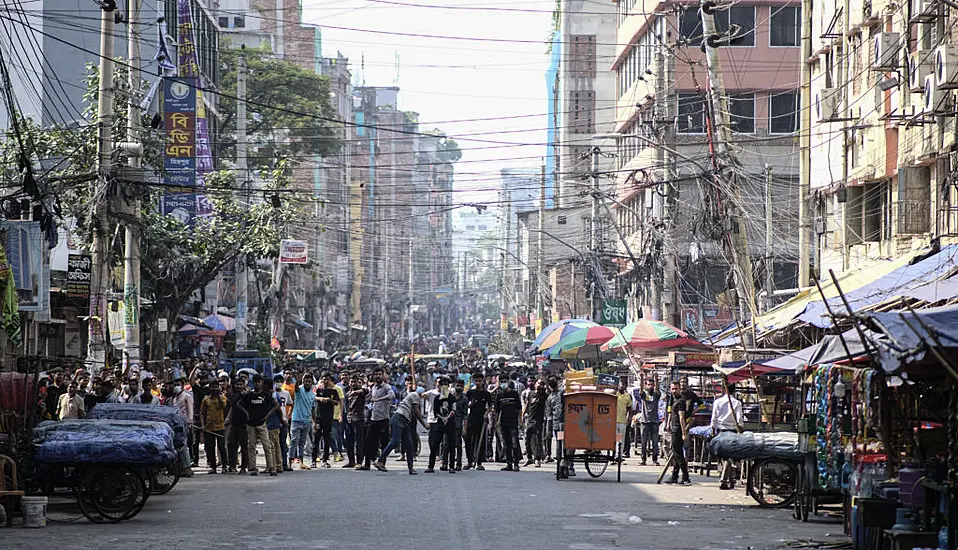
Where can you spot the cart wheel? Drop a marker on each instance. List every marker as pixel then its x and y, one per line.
pixel 804 498
pixel 771 483
pixel 109 495
pixel 139 480
pixel 596 464
pixel 799 482
pixel 164 478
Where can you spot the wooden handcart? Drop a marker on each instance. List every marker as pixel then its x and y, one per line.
pixel 589 435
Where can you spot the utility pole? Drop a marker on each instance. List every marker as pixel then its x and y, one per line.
pixel 131 267
pixel 100 270
pixel 737 239
pixel 242 166
pixel 769 261
pixel 594 236
pixel 539 252
pixel 805 143
pixel 670 270
pixel 412 315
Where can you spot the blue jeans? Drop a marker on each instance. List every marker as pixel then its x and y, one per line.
pixel 400 433
pixel 338 436
pixel 301 433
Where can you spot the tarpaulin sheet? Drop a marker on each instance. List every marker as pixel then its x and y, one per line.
pixel 747 445
pixel 130 411
pixel 104 442
pixel 941 321
pixel 936 291
pixel 892 285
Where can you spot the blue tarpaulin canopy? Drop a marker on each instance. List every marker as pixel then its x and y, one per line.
pixel 942 322
pixel 897 284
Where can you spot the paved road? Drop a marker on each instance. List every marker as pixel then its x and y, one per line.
pixel 345 509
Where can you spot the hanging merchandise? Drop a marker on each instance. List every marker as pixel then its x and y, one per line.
pixel 10 309
pixel 829 432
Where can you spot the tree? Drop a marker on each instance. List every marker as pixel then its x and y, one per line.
pixel 448 148
pixel 288 108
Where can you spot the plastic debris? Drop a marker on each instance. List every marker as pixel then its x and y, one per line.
pixel 673 523
pixel 635 520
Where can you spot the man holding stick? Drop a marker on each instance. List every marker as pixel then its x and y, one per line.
pixel 678 426
pixel 480 401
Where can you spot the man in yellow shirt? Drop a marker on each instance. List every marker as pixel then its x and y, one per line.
pixel 212 425
pixel 337 446
pixel 623 411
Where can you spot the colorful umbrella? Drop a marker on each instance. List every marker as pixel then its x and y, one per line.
pixel 558 330
pixel 585 336
pixel 651 335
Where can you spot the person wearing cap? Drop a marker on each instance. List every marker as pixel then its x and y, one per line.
pixel 257 406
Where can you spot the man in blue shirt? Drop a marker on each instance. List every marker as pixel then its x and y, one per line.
pixel 301 425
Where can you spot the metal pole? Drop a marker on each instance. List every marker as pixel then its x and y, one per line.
pixel 805 165
pixel 769 261
pixel 100 270
pixel 594 234
pixel 242 166
pixel 412 315
pixel 738 241
pixel 131 267
pixel 539 263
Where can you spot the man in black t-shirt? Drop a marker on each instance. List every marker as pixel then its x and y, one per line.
pixel 479 402
pixel 442 431
pixel 507 412
pixel 326 398
pixel 256 406
pixel 679 424
pixel 535 422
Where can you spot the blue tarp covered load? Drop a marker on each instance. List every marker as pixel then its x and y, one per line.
pixel 104 442
pixel 747 445
pixel 127 411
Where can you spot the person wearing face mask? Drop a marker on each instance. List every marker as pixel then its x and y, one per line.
pixel 535 423
pixel 381 395
pixel 212 418
pixel 355 419
pixel 443 429
pixel 462 405
pixel 277 424
pixel 183 401
pixel 301 420
pixel 326 399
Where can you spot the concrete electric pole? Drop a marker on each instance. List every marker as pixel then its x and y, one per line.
pixel 100 269
pixel 242 167
pixel 131 277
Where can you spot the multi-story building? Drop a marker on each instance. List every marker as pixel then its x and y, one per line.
pixel 671 210
pixel 880 154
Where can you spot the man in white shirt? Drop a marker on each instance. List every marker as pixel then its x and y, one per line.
pixel 70 404
pixel 727 417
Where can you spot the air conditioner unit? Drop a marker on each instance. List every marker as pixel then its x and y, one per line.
pixel 885 48
pixel 921 64
pixel 936 98
pixel 828 104
pixel 946 66
pixel 924 9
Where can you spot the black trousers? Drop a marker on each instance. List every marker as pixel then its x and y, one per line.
pixel 376 431
pixel 355 441
pixel 534 441
pixel 475 444
pixel 236 438
pixel 510 444
pixel 323 431
pixel 213 442
pixel 679 463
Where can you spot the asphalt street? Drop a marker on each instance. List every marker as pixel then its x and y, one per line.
pixel 342 509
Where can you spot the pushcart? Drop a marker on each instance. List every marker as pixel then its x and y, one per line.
pixel 589 435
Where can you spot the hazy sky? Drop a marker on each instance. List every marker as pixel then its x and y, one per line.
pixel 449 80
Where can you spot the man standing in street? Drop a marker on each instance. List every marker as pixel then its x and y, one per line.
pixel 535 414
pixel 648 416
pixel 184 403
pixel 381 396
pixel 678 427
pixel 623 414
pixel 302 420
pixel 356 422
pixel 70 404
pixel 480 401
pixel 236 436
pixel 508 409
pixel 278 426
pixel 726 417
pixel 462 405
pixel 326 399
pixel 212 417
pixel 256 406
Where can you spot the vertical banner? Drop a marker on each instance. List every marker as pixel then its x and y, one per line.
pixel 183 202
pixel 179 158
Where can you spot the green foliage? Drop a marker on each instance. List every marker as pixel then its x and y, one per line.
pixel 288 108
pixel 449 150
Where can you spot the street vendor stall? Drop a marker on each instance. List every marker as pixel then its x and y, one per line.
pixel 588 419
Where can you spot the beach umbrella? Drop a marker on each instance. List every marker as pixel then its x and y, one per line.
pixel 553 338
pixel 650 335
pixel 534 346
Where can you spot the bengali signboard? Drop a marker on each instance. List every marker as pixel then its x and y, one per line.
pixel 179 158
pixel 79 270
pixel 613 313
pixel 293 252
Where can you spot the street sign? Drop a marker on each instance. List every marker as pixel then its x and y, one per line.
pixel 613 313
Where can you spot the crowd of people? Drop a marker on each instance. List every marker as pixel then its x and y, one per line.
pixel 356 418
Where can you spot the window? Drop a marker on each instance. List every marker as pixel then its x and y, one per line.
pixel 784 26
pixel 741 108
pixel 691 114
pixel 782 112
pixel 743 17
pixel 224 22
pixel 690 26
pixel 239 22
pixel 561 220
pixel 583 112
pixel 583 55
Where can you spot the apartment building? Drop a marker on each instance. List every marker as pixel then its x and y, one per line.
pixel 670 215
pixel 880 105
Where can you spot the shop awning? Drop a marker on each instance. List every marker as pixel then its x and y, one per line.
pixel 793 361
pixel 895 284
pixel 942 322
